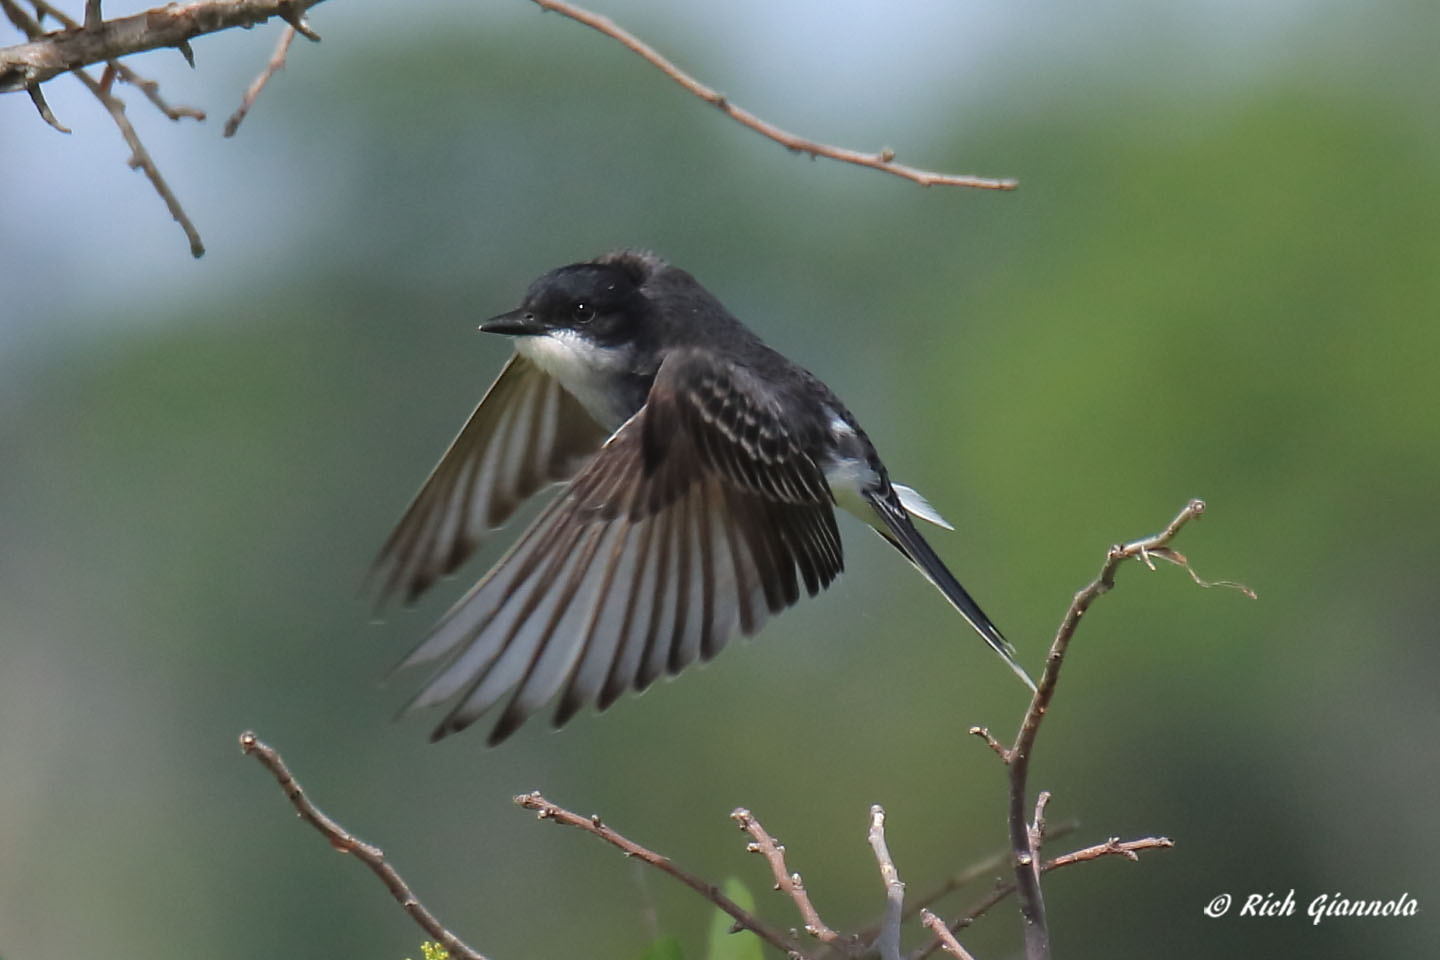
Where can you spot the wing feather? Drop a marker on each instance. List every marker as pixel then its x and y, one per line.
pixel 527 432
pixel 702 515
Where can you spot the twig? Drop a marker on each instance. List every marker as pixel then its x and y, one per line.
pixel 139 156
pixel 150 88
pixel 792 885
pixel 140 160
pixel 744 920
pixel 887 944
pixel 1112 847
pixel 884 160
pixel 1017 757
pixel 968 875
pixel 1037 826
pixel 344 842
pixel 947 940
pixel 277 62
pixel 173 25
pixel 1127 848
pixel 1000 749
pixel 972 913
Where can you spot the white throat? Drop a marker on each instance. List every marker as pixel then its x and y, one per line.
pixel 587 370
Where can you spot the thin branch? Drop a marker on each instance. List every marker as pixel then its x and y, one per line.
pixel 884 160
pixel 276 62
pixel 139 156
pixel 1023 852
pixel 744 920
pixel 1002 751
pixel 887 944
pixel 173 25
pixel 792 885
pixel 1128 849
pixel 947 940
pixel 970 874
pixel 971 914
pixel 344 842
pixel 140 160
pixel 150 88
pixel 1037 826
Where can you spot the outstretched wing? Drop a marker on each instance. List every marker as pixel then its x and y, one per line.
pixel 702 514
pixel 528 431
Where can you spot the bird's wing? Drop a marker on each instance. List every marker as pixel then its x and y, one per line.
pixel 527 431
pixel 703 513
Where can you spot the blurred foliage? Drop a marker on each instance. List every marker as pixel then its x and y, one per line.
pixel 726 943
pixel 1218 283
pixel 666 948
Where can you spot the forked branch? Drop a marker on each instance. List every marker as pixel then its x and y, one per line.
pixel 1027 835
pixel 28 65
pixel 1023 834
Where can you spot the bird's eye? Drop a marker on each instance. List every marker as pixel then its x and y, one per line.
pixel 584 313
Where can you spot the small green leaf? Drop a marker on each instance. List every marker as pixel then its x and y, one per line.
pixel 725 945
pixel 666 948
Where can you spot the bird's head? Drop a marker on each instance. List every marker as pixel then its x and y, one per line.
pixel 600 301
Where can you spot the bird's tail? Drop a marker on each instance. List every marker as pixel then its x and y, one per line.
pixel 901 532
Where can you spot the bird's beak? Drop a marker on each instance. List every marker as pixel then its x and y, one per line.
pixel 516 323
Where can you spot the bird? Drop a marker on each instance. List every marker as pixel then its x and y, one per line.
pixel 701 474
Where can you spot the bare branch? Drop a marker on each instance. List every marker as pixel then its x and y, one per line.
pixel 744 920
pixel 140 160
pixel 1037 826
pixel 1112 847
pixel 344 842
pixel 1023 852
pixel 150 88
pixel 968 875
pixel 971 914
pixel 888 943
pixel 277 62
pixel 139 156
pixel 884 160
pixel 792 885
pixel 984 734
pixel 173 25
pixel 947 940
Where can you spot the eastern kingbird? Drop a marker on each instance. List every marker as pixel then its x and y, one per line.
pixel 701 473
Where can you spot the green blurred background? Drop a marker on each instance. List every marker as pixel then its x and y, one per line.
pixel 1220 278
